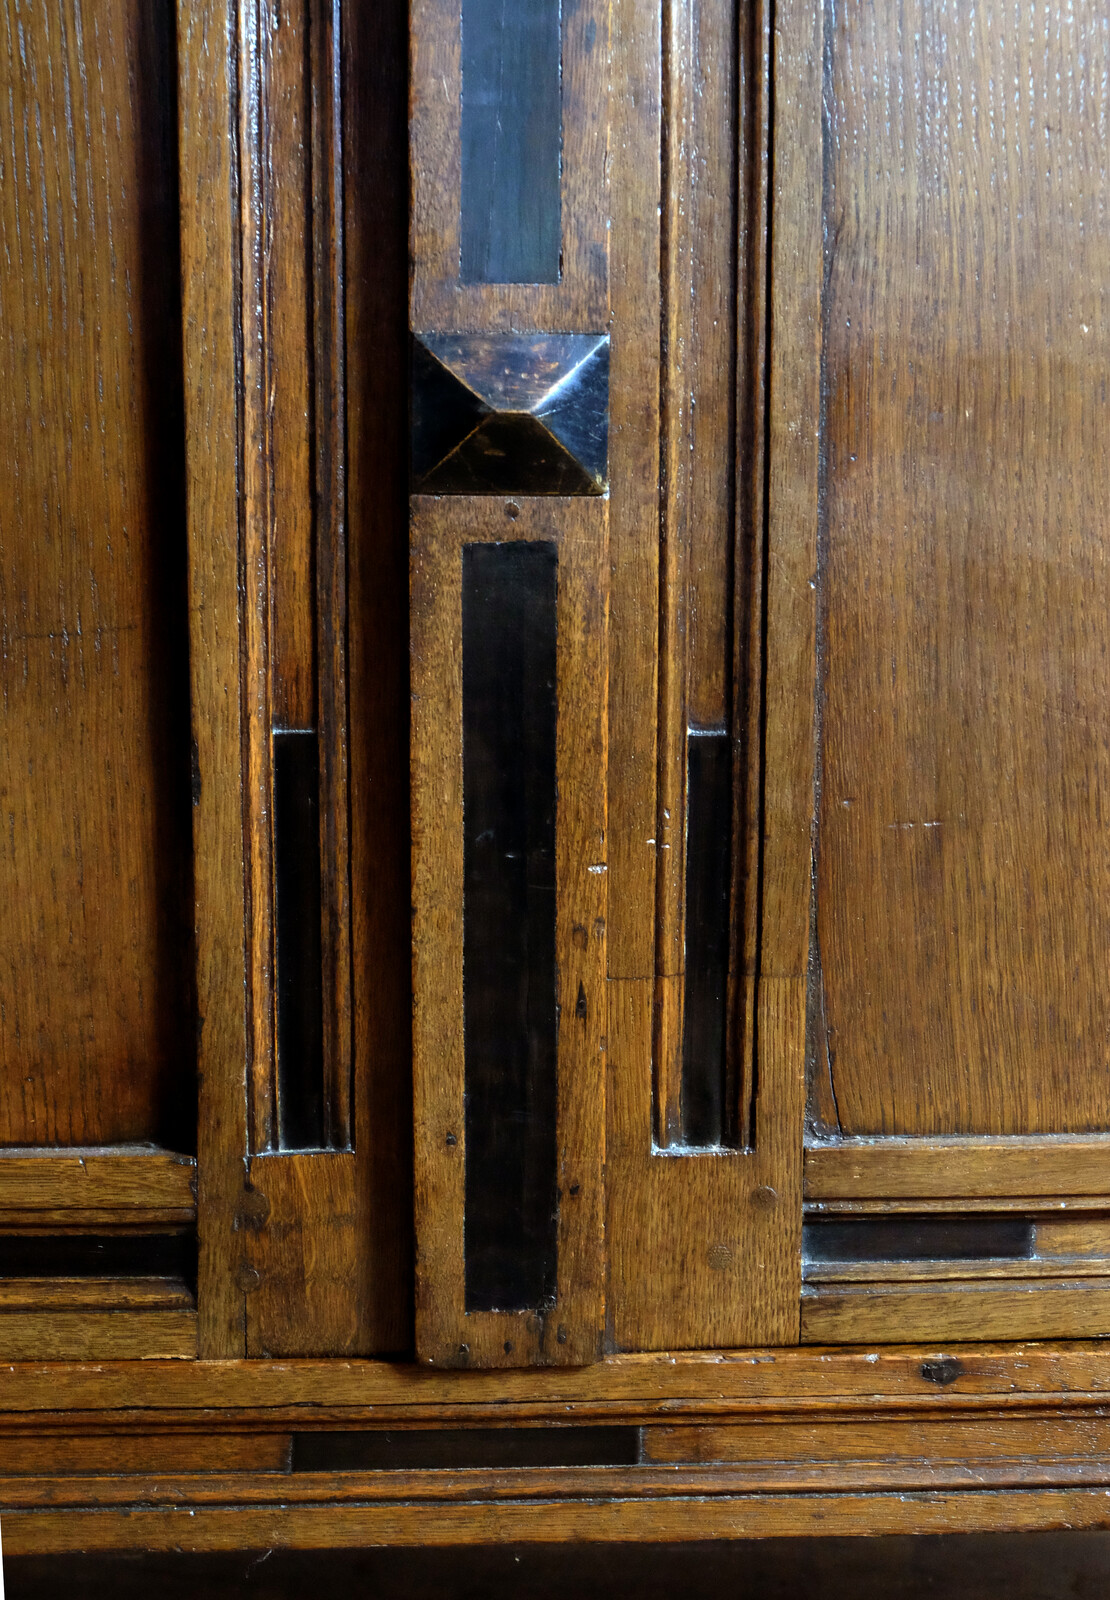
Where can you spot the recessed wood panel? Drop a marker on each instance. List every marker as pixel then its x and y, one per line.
pixel 95 1027
pixel 964 855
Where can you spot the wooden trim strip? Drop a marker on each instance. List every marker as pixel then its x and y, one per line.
pixel 115 1183
pixel 119 1335
pixel 648 1520
pixel 559 1485
pixel 210 319
pixel 892 1312
pixel 902 1168
pixel 710 1383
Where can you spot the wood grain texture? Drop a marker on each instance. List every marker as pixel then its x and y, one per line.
pixel 635 359
pixel 303 1265
pixel 560 1487
pixel 896 1312
pixel 338 1527
pixel 714 230
pixel 963 873
pixel 688 1234
pixel 632 1388
pixel 684 1233
pixel 957 1168
pixel 92 1294
pixel 209 175
pixel 82 1184
pixel 82 1335
pixel 1001 1437
pixel 570 1330
pixel 579 302
pixel 95 1043
pixel 119 1455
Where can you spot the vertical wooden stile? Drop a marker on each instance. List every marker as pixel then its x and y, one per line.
pixel 510 334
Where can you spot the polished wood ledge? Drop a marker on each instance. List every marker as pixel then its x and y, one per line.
pixel 166 1455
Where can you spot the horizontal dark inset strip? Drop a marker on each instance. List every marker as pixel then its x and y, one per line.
pixel 123 1255
pixel 413 1449
pixel 918 1239
pixel 509 608
pixel 705 1111
pixel 297 939
pixel 511 129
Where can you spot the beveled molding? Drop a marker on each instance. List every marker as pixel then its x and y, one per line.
pixel 732 1444
pixel 637 1389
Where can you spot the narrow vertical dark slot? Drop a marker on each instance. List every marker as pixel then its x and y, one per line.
pixel 511 141
pixel 705 1119
pixel 297 951
pixel 509 600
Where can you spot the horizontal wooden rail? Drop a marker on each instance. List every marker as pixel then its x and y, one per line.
pixel 135 1184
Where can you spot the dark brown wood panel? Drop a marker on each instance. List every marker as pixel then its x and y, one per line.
pixel 964 866
pixel 95 964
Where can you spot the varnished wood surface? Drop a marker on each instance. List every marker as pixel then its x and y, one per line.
pixel 95 964
pixel 90 1186
pixel 211 311
pixel 53 1333
pixel 337 1527
pixel 568 1332
pixel 956 1169
pixel 632 1388
pixel 579 302
pixel 376 239
pixel 686 1234
pixel 893 1312
pixel 963 861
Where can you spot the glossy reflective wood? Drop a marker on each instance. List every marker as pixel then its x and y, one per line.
pixel 96 1032
pixel 963 892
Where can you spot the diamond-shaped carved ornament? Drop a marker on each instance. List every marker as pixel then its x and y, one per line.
pixel 510 413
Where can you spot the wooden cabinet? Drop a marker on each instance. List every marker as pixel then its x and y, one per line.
pixel 553 646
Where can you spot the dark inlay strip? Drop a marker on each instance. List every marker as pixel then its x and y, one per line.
pixel 84 1255
pixel 300 1048
pixel 511 141
pixel 705 1119
pixel 414 1449
pixel 918 1239
pixel 509 597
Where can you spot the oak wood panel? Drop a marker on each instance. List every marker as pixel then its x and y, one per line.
pixel 957 1168
pixel 303 1268
pixel 635 108
pixel 209 175
pixel 95 1042
pixel 579 302
pixel 895 1312
pixel 340 1527
pixel 1000 1437
pixel 711 1383
pixel 793 482
pixel 92 1294
pixel 570 1330
pixel 690 1236
pixel 963 863
pixel 84 1335
pixel 97 1184
pixel 560 1485
pixel 119 1455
